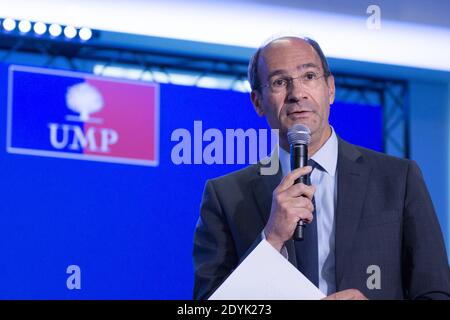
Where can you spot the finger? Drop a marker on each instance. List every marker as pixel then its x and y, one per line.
pixel 358 295
pixel 302 202
pixel 290 178
pixel 300 189
pixel 349 294
pixel 330 297
pixel 305 216
pixel 344 295
pixel 297 214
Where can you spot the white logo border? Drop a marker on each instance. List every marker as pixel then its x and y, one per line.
pixel 69 155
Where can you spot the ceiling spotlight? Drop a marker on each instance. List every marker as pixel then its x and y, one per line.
pixel 9 24
pixel 24 26
pixel 85 34
pixel 55 30
pixel 40 28
pixel 70 32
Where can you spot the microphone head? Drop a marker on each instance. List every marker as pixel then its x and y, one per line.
pixel 299 134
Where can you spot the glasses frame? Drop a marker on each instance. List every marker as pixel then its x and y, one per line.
pixel 291 82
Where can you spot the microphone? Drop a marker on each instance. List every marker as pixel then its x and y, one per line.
pixel 299 137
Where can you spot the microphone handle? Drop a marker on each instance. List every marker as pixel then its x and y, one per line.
pixel 299 159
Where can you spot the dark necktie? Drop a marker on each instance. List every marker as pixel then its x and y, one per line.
pixel 307 250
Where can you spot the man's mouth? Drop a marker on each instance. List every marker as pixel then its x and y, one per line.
pixel 299 113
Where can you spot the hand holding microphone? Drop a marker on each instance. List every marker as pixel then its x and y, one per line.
pixel 291 201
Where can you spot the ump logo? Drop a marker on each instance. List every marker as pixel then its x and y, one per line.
pixel 78 116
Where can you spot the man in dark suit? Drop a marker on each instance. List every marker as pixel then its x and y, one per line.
pixel 372 228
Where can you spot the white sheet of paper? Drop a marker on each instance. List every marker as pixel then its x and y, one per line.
pixel 266 275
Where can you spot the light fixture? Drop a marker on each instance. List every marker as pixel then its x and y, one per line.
pixel 40 28
pixel 9 24
pixel 70 32
pixel 55 30
pixel 85 34
pixel 24 26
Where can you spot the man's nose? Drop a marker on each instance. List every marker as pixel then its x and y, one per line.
pixel 296 90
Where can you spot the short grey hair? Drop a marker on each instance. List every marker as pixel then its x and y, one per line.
pixel 252 74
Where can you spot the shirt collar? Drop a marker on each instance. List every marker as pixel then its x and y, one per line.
pixel 326 156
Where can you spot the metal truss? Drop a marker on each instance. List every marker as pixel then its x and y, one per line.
pixel 80 56
pixel 390 94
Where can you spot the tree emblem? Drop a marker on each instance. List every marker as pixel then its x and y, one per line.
pixel 84 99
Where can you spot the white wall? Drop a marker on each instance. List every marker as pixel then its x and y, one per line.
pixel 247 24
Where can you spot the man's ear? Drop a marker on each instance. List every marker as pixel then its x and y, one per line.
pixel 331 89
pixel 256 100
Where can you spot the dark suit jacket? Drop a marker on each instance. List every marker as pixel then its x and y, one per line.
pixel 384 216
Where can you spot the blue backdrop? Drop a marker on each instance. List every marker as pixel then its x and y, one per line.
pixel 129 228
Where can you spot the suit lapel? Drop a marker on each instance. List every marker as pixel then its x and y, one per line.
pixel 353 175
pixel 263 186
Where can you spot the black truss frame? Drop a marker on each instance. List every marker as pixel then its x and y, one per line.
pixel 390 94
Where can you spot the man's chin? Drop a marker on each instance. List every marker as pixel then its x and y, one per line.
pixel 303 121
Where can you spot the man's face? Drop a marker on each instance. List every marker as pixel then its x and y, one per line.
pixel 298 103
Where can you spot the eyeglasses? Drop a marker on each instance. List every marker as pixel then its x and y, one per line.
pixel 282 83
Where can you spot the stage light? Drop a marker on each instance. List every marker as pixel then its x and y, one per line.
pixel 40 28
pixel 24 26
pixel 55 30
pixel 70 32
pixel 9 24
pixel 85 34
